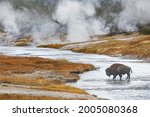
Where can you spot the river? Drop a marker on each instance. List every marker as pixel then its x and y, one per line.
pixel 96 82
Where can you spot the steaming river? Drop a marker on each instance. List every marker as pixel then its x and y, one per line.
pixel 96 82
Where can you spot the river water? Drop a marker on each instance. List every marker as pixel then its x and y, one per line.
pixel 96 82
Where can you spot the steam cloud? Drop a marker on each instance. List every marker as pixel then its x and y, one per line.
pixel 135 12
pixel 78 18
pixel 21 22
pixel 8 18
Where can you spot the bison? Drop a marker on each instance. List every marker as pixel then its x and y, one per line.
pixel 118 69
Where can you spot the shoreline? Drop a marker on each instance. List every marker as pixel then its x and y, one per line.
pixel 130 46
pixel 28 77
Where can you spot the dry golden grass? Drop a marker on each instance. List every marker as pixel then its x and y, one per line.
pixel 24 41
pixel 41 84
pixel 29 81
pixel 13 68
pixel 22 65
pixel 111 47
pixel 21 44
pixel 138 47
pixel 28 97
pixel 61 88
pixel 116 36
pixel 56 46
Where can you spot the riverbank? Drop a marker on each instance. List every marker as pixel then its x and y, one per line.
pixel 94 82
pixel 133 45
pixel 37 78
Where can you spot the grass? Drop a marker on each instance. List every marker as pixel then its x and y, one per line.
pixel 29 81
pixel 111 47
pixel 117 36
pixel 61 88
pixel 21 44
pixel 26 97
pixel 14 71
pixel 97 37
pixel 22 65
pixel 138 47
pixel 42 84
pixel 134 44
pixel 24 41
pixel 56 46
pixel 29 97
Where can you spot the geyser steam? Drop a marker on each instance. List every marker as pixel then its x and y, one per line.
pixel 8 18
pixel 135 12
pixel 23 21
pixel 80 18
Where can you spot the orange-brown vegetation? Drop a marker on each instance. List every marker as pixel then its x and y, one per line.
pixel 30 97
pixel 111 48
pixel 135 45
pixel 61 88
pixel 138 47
pixel 23 71
pixel 24 41
pixel 23 65
pixel 29 81
pixel 25 97
pixel 40 84
pixel 56 46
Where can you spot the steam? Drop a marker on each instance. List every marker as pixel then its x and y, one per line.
pixel 22 22
pixel 135 12
pixel 8 18
pixel 76 18
pixel 80 18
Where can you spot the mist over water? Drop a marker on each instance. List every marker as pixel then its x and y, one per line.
pixel 79 19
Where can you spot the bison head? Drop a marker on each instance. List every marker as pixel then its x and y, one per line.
pixel 108 73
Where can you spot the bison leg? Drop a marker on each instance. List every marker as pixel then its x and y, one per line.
pixel 114 77
pixel 128 77
pixel 120 76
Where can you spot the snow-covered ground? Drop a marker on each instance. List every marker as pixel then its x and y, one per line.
pixel 96 82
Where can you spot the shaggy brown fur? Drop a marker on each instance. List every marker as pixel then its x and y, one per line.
pixel 118 69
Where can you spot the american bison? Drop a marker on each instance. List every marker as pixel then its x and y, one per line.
pixel 118 69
